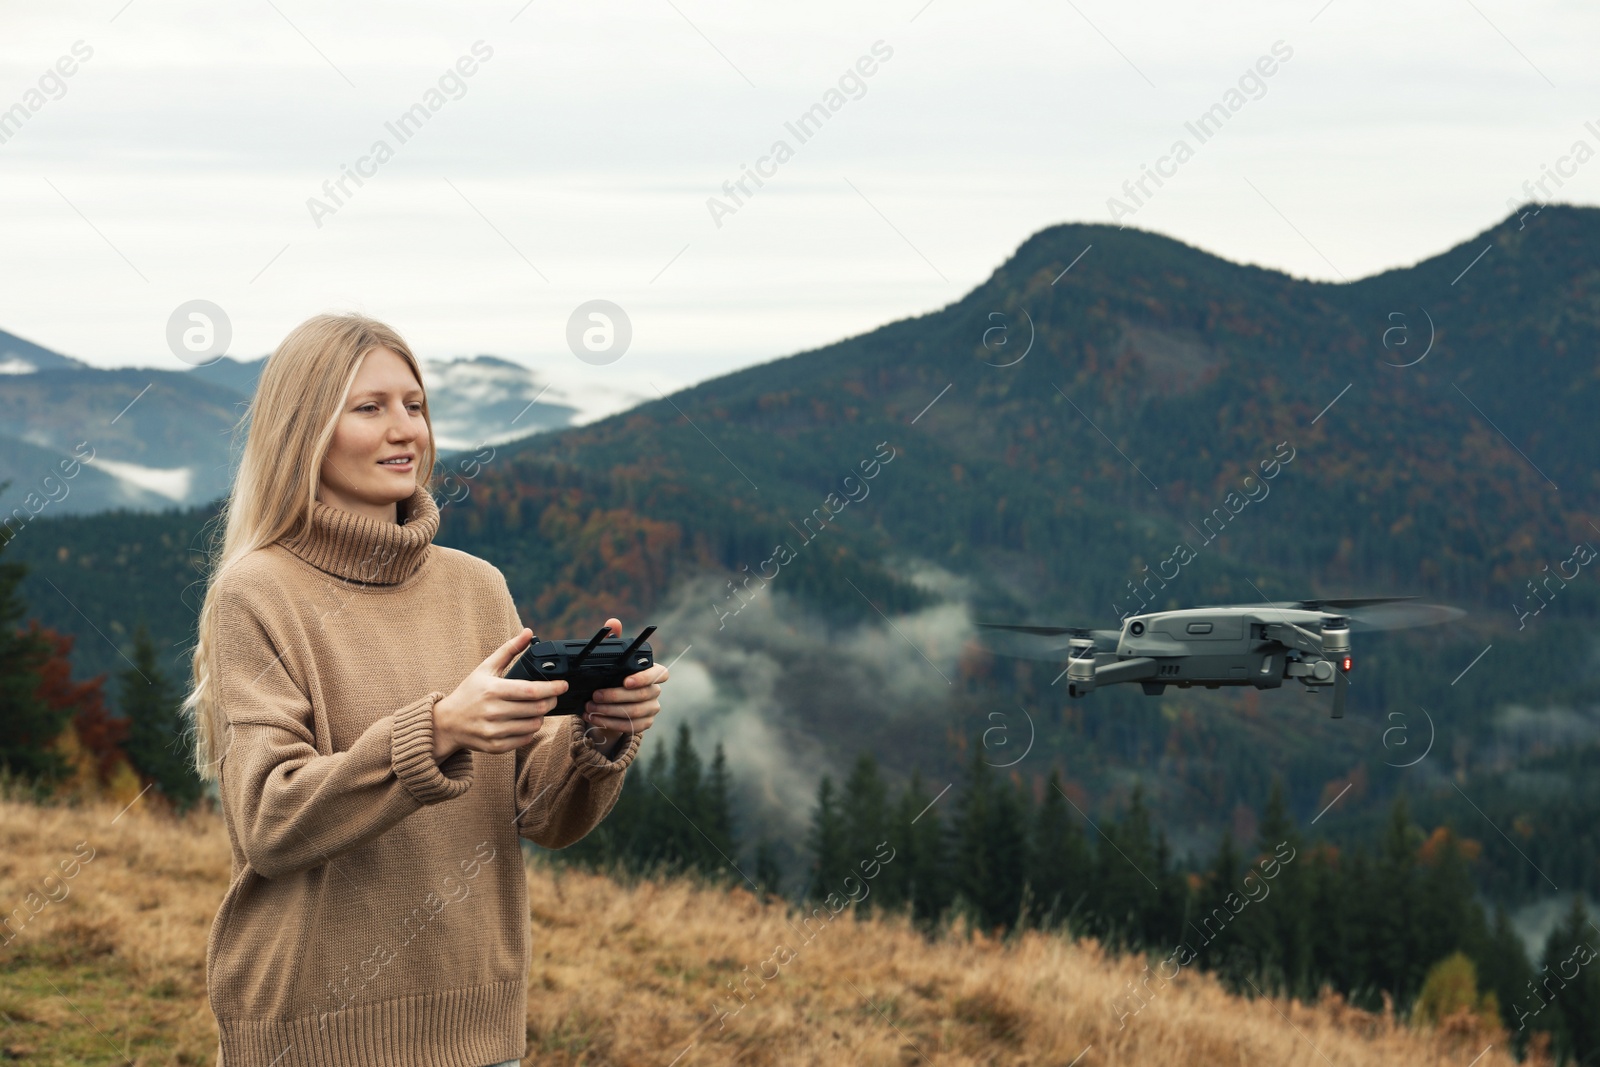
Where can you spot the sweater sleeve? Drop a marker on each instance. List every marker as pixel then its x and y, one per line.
pixel 292 808
pixel 564 785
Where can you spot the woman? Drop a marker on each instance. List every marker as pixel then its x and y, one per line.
pixel 375 770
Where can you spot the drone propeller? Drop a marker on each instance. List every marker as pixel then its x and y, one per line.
pixel 1336 603
pixel 1352 602
pixel 1401 616
pixel 1043 631
pixel 1032 642
pixel 1378 612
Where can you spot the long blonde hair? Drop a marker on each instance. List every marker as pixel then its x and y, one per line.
pixel 288 427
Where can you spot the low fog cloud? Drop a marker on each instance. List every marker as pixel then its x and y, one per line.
pixel 1522 732
pixel 791 698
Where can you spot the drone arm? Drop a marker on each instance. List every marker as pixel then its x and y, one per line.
pixel 1293 636
pixel 1128 670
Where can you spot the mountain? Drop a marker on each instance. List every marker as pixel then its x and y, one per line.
pixel 32 469
pixel 485 399
pixel 235 375
pixel 24 357
pixel 157 431
pixel 157 439
pixel 471 401
pixel 817 536
pixel 1055 486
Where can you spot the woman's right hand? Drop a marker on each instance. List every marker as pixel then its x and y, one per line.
pixel 488 713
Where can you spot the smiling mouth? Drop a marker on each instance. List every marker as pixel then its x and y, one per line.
pixel 405 462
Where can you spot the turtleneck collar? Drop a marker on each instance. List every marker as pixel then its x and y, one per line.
pixel 360 549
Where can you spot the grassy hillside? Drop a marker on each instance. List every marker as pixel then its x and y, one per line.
pixel 112 972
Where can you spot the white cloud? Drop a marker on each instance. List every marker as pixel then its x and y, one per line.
pixel 591 141
pixel 170 482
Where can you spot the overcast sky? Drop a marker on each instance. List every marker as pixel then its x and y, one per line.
pixel 576 161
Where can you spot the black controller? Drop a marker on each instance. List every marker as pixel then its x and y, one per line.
pixel 603 662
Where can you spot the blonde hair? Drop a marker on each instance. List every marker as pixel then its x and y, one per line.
pixel 288 427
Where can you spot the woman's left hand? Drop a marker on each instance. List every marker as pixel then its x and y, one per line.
pixel 614 713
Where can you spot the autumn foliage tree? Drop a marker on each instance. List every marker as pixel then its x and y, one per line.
pixel 90 742
pixel 55 733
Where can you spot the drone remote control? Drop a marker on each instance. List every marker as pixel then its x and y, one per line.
pixel 602 662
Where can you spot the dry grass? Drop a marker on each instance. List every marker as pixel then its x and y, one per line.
pixel 114 973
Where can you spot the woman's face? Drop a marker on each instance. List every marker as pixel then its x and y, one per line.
pixel 380 419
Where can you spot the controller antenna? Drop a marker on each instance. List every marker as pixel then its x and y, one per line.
pixel 604 632
pixel 637 641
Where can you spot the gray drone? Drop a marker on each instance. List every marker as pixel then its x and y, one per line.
pixel 1259 645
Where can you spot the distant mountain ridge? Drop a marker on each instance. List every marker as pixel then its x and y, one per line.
pixel 24 357
pixel 161 438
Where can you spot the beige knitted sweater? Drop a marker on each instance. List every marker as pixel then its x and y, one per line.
pixel 378 912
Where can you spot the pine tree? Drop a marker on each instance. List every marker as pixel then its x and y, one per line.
pixel 154 743
pixel 830 866
pixel 1506 971
pixel 1277 928
pixel 974 858
pixel 989 838
pixel 863 813
pixel 1570 979
pixel 1356 961
pixel 1059 874
pixel 1211 932
pixel 654 849
pixel 30 725
pixel 717 807
pixel 1129 870
pixel 1394 949
pixel 1333 939
pixel 671 818
pixel 862 806
pixel 1007 839
pixel 685 790
pixel 914 877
